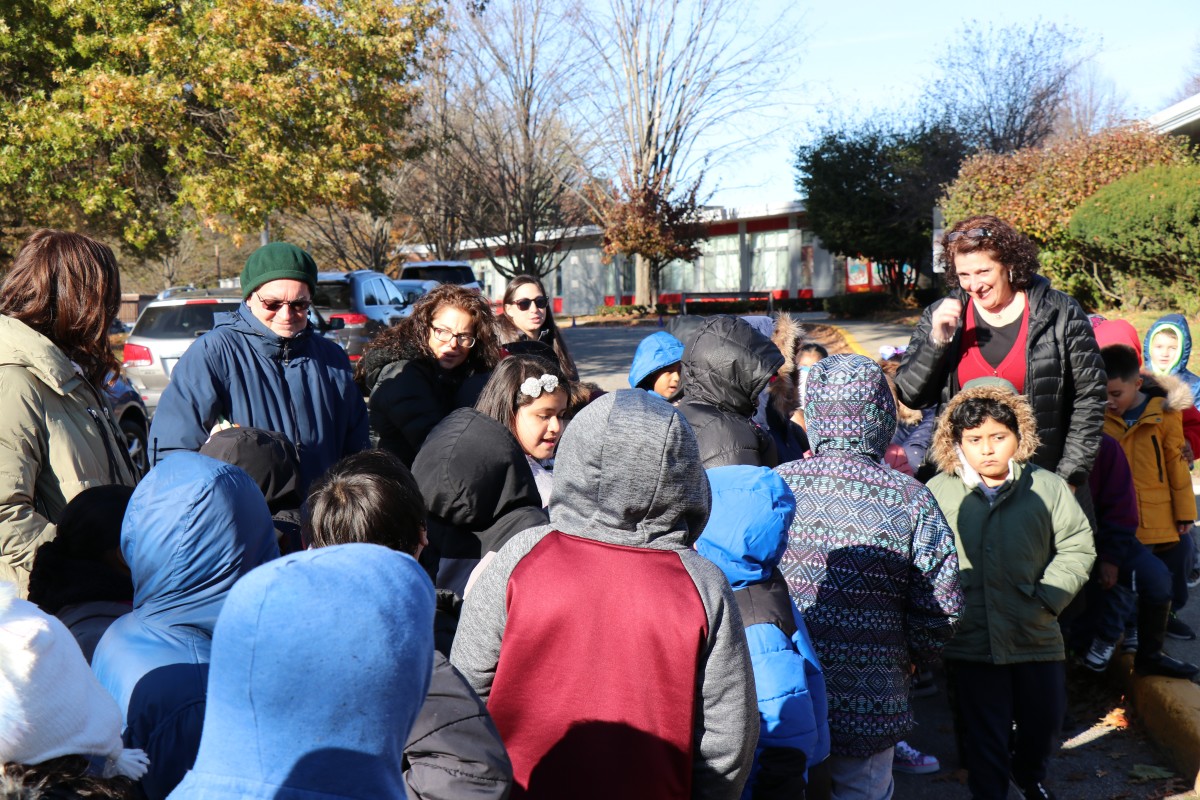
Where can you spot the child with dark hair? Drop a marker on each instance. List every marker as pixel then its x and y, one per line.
pixel 656 365
pixel 453 749
pixel 1027 544
pixel 80 576
pixel 1144 414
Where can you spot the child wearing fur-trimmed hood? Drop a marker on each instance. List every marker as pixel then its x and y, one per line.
pixel 1025 549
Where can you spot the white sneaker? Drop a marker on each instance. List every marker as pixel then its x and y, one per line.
pixel 907 758
pixel 1099 654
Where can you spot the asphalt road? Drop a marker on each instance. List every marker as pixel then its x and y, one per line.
pixel 1103 754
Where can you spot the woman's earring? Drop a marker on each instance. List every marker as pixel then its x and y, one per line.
pixel 1010 276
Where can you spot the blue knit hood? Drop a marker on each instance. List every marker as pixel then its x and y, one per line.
pixel 656 351
pixel 321 661
pixel 746 535
pixel 849 407
pixel 193 527
pixel 1177 324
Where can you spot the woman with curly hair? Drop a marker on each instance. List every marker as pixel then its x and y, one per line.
pixel 57 435
pixel 529 316
pixel 435 361
pixel 1002 319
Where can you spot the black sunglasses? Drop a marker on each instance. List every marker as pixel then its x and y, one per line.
pixel 974 233
pixel 299 306
pixel 539 301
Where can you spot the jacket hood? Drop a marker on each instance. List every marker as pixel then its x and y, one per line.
pixel 727 364
pixel 262 338
pixel 474 477
pixel 944 451
pixel 286 669
pixel 1175 393
pixel 25 347
pixel 1116 331
pixel 747 532
pixel 849 407
pixel 394 344
pixel 628 472
pixel 193 527
pixel 656 351
pixel 267 456
pixel 786 334
pixel 1177 324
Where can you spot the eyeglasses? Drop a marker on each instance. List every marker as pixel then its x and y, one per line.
pixel 539 301
pixel 295 306
pixel 463 339
pixel 974 233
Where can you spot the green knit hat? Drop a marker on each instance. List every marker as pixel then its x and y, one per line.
pixel 278 261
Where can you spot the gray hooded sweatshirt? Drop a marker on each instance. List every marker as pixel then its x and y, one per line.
pixel 611 655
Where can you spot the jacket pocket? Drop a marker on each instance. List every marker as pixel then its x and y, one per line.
pixel 1158 459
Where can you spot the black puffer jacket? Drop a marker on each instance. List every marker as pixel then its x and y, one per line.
pixel 410 394
pixel 1065 379
pixel 726 364
pixel 479 490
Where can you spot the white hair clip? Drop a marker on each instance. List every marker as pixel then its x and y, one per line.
pixel 535 386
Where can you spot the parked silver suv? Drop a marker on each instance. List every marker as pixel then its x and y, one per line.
pixel 165 330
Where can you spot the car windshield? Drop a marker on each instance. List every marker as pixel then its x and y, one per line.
pixel 332 295
pixel 440 274
pixel 179 321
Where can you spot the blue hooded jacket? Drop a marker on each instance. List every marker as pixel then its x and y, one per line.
pixel 1177 324
pixel 656 351
pixel 194 526
pixel 303 705
pixel 752 509
pixel 243 372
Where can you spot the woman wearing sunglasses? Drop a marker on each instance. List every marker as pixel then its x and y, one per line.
pixel 435 361
pixel 1002 319
pixel 263 366
pixel 528 315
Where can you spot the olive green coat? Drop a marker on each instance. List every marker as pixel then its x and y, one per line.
pixel 1022 559
pixel 57 438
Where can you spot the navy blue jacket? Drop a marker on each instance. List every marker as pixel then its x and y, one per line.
pixel 302 705
pixel 746 536
pixel 243 372
pixel 194 526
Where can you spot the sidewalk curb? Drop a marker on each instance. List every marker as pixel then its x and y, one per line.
pixel 1169 709
pixel 850 340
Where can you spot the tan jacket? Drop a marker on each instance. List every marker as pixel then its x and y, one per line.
pixel 57 438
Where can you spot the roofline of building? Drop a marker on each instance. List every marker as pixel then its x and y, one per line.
pixel 1183 113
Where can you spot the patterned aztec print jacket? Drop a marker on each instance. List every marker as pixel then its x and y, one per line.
pixel 870 561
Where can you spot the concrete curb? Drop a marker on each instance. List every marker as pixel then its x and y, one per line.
pixel 1169 710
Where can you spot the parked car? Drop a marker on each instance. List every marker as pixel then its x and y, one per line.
pixel 459 272
pixel 130 414
pixel 412 291
pixel 364 300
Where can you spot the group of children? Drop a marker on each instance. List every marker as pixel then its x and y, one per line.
pixel 587 593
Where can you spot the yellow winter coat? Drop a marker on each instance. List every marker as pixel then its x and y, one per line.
pixel 57 438
pixel 1154 447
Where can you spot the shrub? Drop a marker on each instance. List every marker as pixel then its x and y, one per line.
pixel 857 305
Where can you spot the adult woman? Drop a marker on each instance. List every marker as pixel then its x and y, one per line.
pixel 529 395
pixel 435 361
pixel 528 315
pixel 57 436
pixel 1002 319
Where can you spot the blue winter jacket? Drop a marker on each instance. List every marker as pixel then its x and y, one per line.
pixel 1177 324
pixel 303 705
pixel 193 527
pixel 243 372
pixel 656 351
pixel 752 509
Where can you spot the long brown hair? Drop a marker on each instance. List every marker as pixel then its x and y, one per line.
pixel 510 332
pixel 66 286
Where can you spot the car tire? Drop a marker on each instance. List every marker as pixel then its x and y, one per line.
pixel 136 438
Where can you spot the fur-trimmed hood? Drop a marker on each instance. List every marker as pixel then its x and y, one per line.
pixel 786 334
pixel 944 451
pixel 1175 393
pixel 904 414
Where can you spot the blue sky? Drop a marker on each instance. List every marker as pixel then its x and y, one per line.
pixel 859 55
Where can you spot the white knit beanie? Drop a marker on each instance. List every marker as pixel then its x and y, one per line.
pixel 51 704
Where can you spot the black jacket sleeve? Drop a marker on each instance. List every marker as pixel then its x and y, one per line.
pixel 925 369
pixel 1090 382
pixel 454 750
